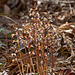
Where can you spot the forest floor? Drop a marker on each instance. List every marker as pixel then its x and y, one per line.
pixel 60 17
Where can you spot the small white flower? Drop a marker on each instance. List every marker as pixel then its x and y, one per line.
pixel 45 19
pixel 13 35
pixel 54 28
pixel 24 31
pixel 45 47
pixel 29 52
pixel 16 33
pixel 15 59
pixel 33 13
pixel 38 2
pixel 37 13
pixel 16 28
pixel 12 54
pixel 32 18
pixel 36 45
pixel 39 29
pixel 41 62
pixel 21 41
pixel 27 31
pixel 46 55
pixel 23 25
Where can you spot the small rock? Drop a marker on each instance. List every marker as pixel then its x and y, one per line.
pixel 6 9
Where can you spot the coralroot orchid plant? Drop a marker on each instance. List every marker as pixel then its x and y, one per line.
pixel 34 44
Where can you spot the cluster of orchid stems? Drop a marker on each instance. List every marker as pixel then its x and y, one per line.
pixel 36 39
